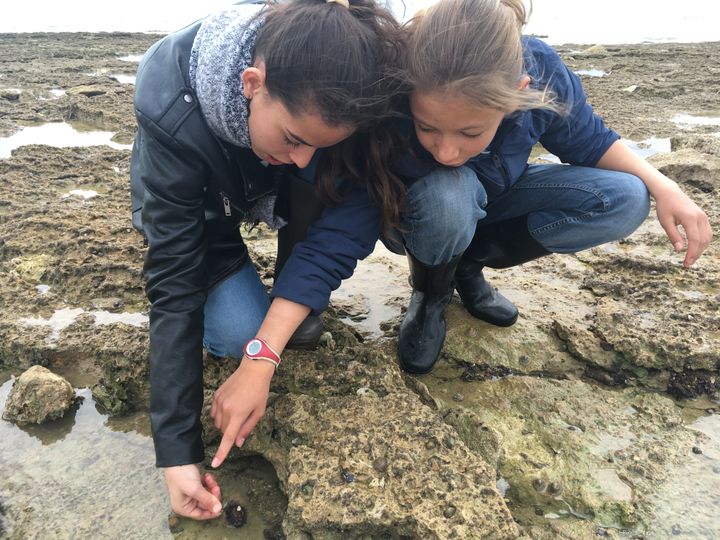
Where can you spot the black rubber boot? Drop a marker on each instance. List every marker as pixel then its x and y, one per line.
pixel 422 331
pixel 482 300
pixel 303 207
pixel 499 245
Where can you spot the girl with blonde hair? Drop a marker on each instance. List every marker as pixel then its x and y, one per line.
pixel 482 96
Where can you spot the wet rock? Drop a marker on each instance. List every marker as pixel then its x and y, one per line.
pixel 484 440
pixel 449 511
pixel 87 91
pixel 595 50
pixel 413 493
pixel 539 485
pixel 688 164
pixel 532 417
pixel 347 476
pixel 693 383
pixel 355 308
pixel 274 534
pixel 107 304
pixel 9 94
pixel 481 372
pixel 38 395
pixel 174 524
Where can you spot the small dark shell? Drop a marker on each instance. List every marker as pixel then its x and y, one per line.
pixel 347 475
pixel 539 485
pixel 235 514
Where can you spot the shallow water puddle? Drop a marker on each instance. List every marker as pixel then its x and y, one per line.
pixel 135 58
pixel 649 147
pixel 58 135
pixel 55 93
pixel 379 284
pixel 123 78
pixel 684 502
pixel 91 476
pixel 62 318
pixel 687 121
pixel 591 72
pixel 82 193
pixel 687 505
pixel 644 149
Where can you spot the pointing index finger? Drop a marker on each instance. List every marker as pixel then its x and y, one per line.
pixel 225 445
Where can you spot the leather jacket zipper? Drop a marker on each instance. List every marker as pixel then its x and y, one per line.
pixel 226 204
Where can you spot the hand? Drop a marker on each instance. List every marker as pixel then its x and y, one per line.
pixel 191 494
pixel 239 404
pixel 675 208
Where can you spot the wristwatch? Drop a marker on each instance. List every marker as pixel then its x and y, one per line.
pixel 257 349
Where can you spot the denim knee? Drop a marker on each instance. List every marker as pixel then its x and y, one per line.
pixel 234 311
pixel 444 208
pixel 608 206
pixel 631 202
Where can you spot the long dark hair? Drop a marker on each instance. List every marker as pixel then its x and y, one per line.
pixel 343 63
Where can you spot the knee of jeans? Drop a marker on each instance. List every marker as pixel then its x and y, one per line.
pixel 226 344
pixel 631 202
pixel 447 202
pixel 227 336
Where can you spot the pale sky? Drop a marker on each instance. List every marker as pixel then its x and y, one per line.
pixel 579 21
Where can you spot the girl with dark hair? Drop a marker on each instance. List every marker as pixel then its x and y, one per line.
pixel 481 96
pixel 232 113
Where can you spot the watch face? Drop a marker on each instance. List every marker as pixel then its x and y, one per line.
pixel 253 347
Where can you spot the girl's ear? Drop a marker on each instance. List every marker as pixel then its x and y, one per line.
pixel 524 82
pixel 253 79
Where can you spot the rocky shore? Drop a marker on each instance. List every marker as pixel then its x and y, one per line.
pixel 594 416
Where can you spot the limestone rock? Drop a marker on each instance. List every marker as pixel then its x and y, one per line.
pixel 38 395
pixel 87 91
pixel 689 166
pixel 368 465
pixel 595 50
pixel 359 453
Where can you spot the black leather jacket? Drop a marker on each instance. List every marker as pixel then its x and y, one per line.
pixel 189 193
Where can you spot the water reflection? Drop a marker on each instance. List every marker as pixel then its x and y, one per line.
pixel 649 147
pixel 58 135
pixel 135 58
pixel 55 431
pixel 688 120
pixel 591 72
pixel 90 476
pixel 123 78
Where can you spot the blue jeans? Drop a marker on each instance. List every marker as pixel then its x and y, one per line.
pixel 569 209
pixel 234 311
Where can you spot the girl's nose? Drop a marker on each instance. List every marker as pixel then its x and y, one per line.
pixel 446 152
pixel 302 155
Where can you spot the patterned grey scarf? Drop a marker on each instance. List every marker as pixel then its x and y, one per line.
pixel 222 50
